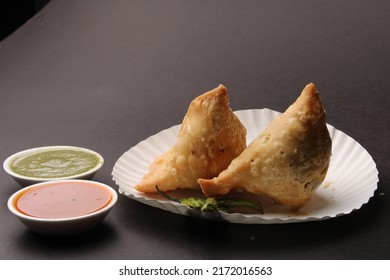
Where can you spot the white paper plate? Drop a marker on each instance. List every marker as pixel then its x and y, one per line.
pixel 351 180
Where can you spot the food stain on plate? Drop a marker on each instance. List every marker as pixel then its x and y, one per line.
pixel 326 185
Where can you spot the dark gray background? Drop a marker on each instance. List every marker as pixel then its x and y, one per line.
pixel 107 74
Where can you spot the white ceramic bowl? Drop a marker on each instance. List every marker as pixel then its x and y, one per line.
pixel 25 181
pixel 62 226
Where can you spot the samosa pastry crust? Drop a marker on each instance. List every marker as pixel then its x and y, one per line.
pixel 287 161
pixel 210 137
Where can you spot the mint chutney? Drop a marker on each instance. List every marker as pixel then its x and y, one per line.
pixel 55 163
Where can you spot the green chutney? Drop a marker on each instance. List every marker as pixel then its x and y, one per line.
pixel 54 163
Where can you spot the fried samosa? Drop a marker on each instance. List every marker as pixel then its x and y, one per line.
pixel 287 161
pixel 210 137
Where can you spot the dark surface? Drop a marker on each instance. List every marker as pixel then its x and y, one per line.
pixel 107 74
pixel 14 13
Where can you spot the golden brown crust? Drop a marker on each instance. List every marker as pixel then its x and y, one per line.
pixel 287 161
pixel 210 137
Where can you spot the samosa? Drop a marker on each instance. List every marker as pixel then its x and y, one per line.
pixel 210 137
pixel 287 161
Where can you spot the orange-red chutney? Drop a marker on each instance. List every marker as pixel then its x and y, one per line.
pixel 63 200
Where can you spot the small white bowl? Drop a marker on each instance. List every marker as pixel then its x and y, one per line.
pixel 62 226
pixel 25 180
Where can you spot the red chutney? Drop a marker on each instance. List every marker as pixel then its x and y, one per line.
pixel 63 200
